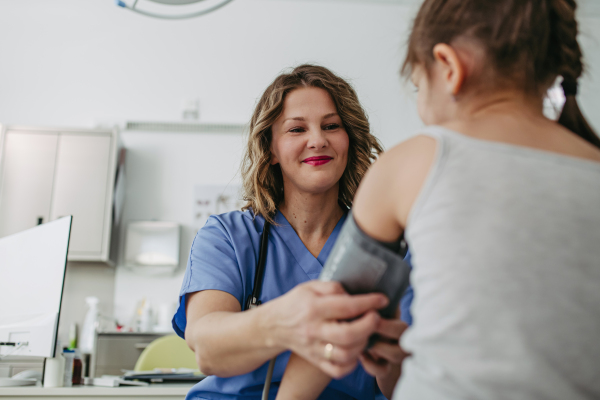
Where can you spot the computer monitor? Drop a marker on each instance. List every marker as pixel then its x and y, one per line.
pixel 32 275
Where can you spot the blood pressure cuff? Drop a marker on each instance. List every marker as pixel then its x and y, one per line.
pixel 365 265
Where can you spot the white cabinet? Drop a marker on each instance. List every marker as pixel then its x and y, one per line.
pixel 80 189
pixel 49 173
pixel 28 170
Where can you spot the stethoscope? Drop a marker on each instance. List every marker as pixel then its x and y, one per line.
pixel 253 300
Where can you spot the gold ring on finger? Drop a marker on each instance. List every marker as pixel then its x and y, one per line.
pixel 328 351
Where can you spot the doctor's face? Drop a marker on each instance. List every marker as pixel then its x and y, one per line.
pixel 309 142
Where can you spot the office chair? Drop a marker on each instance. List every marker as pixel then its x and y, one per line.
pixel 166 352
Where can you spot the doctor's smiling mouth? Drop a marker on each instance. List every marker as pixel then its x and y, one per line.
pixel 316 161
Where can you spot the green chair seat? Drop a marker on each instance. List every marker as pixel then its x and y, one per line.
pixel 166 352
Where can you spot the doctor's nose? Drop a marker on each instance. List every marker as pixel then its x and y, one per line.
pixel 317 139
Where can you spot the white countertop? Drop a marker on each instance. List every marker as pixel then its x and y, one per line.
pixel 152 391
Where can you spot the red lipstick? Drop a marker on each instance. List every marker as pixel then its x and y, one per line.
pixel 315 161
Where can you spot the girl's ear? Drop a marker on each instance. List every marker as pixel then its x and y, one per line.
pixel 453 70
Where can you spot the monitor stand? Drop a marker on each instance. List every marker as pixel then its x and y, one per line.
pixel 4 382
pixel 24 378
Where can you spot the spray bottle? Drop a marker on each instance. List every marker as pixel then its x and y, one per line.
pixel 88 332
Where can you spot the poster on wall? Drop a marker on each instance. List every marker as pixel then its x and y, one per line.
pixel 215 199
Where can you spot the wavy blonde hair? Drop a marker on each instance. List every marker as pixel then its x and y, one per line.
pixel 262 182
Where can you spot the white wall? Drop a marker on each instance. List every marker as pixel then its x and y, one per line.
pixel 74 63
pixel 589 99
pixel 162 170
pixel 83 280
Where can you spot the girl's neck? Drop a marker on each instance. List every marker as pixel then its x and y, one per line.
pixel 313 216
pixel 501 103
pixel 503 116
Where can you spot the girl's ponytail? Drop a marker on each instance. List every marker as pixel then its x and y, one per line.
pixel 572 118
pixel 565 51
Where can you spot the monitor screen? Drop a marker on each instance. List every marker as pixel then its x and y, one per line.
pixel 32 275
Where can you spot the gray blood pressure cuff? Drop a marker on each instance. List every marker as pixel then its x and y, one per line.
pixel 365 265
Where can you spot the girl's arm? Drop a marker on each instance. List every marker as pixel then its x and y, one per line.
pixel 302 380
pixel 386 195
pixel 305 381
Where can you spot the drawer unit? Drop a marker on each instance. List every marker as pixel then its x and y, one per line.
pixel 118 351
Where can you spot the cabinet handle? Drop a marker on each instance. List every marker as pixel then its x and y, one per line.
pixel 40 220
pixel 141 346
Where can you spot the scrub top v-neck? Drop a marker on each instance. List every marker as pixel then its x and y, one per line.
pixel 223 257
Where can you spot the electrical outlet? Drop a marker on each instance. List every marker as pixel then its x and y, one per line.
pixel 190 109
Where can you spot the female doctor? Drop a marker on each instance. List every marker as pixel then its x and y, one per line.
pixel 308 148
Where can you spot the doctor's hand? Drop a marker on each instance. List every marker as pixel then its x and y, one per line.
pixel 384 359
pixel 323 324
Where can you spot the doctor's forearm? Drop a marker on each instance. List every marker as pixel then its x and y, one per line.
pixel 232 343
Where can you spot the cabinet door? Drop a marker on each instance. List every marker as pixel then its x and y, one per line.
pixel 26 182
pixel 80 189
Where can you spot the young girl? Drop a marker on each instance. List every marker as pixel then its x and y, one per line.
pixel 500 206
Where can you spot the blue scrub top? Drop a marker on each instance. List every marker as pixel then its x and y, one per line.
pixel 223 257
pixel 407 298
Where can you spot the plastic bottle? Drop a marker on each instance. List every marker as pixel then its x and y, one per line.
pixel 145 317
pixel 73 336
pixel 69 356
pixel 88 332
pixel 77 369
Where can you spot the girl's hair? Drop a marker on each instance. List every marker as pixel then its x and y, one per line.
pixel 527 44
pixel 263 182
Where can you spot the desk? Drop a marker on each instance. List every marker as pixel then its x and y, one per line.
pixel 154 392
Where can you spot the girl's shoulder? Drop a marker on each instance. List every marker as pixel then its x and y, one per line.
pixel 394 182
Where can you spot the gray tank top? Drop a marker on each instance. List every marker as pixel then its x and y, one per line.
pixel 506 255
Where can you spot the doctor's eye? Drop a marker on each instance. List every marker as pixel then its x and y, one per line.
pixel 331 127
pixel 297 129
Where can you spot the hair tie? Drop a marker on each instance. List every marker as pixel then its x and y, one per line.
pixel 569 87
